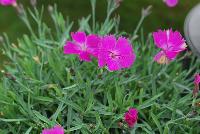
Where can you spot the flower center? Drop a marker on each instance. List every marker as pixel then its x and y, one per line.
pixel 114 54
pixel 163 60
pixel 83 47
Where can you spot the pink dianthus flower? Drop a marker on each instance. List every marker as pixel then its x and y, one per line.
pixel 83 45
pixel 196 84
pixel 197 79
pixel 55 130
pixel 116 54
pixel 7 2
pixel 171 3
pixel 171 44
pixel 131 117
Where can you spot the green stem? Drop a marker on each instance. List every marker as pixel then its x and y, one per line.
pixel 137 28
pixel 93 3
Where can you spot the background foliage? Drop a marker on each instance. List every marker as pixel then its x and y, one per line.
pixel 129 11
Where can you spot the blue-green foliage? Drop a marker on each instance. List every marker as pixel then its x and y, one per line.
pixel 42 87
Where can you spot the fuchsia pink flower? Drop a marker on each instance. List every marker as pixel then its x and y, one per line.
pixel 55 130
pixel 196 84
pixel 83 45
pixel 197 79
pixel 171 3
pixel 131 117
pixel 171 43
pixel 116 54
pixel 7 2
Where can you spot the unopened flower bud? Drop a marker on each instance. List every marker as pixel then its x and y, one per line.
pixel 118 2
pixel 1 39
pixel 19 8
pixel 147 11
pixel 120 124
pixel 33 3
pixel 50 9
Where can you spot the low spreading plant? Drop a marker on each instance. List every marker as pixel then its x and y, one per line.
pixel 45 89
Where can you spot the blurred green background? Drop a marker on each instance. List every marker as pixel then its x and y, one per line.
pixel 129 11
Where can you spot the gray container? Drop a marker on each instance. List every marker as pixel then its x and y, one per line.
pixel 192 29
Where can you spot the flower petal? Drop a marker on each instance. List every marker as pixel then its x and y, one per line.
pixel 131 117
pixel 108 42
pixel 197 79
pixel 79 37
pixel 161 58
pixel 171 3
pixel 171 55
pixel 127 61
pixel 127 56
pixel 71 48
pixel 113 65
pixel 7 2
pixel 124 47
pixel 103 55
pixel 160 39
pixel 176 41
pixel 93 42
pixel 85 56
pixel 55 130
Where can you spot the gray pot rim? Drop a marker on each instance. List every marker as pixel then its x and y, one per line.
pixel 186 31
